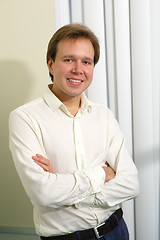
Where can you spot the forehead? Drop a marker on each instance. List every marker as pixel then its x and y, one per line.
pixel 79 46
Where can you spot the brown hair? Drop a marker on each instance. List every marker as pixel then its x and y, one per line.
pixel 72 31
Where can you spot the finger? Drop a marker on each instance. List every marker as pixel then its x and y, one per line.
pixel 43 162
pixel 40 159
pixel 40 156
pixel 34 158
pixel 45 168
pixel 43 159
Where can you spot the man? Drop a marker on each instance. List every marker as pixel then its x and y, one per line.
pixel 69 152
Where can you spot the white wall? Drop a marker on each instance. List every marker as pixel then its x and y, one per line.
pixel 25 29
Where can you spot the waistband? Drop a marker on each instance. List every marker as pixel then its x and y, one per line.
pixel 96 232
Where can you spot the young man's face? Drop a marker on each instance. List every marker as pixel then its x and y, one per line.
pixel 72 68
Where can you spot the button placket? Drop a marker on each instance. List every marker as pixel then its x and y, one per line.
pixel 79 153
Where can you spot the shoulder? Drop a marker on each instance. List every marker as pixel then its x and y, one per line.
pixel 26 109
pixel 101 109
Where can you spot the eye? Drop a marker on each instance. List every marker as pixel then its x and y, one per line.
pixel 87 62
pixel 68 60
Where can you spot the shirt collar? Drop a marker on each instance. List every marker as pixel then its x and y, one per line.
pixel 55 104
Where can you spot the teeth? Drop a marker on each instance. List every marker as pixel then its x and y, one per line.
pixel 75 81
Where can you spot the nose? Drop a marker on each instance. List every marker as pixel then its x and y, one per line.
pixel 77 68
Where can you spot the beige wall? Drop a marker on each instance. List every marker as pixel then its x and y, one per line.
pixel 25 29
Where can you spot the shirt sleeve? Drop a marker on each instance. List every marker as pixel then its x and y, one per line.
pixel 43 188
pixel 125 185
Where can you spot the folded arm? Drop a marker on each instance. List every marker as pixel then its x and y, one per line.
pixel 46 165
pixel 125 184
pixel 44 187
pixel 119 187
pixel 83 187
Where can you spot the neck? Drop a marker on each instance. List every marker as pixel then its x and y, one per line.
pixel 72 103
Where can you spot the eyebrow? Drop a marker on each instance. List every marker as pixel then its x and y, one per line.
pixel 72 56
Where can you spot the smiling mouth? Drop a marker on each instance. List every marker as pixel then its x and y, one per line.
pixel 74 81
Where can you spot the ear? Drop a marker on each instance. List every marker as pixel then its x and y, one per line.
pixel 50 65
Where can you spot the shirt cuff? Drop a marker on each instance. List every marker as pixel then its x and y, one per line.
pixel 96 176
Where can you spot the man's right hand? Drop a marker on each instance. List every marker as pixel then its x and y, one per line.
pixel 43 162
pixel 110 173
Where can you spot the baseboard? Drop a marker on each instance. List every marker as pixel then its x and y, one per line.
pixel 14 230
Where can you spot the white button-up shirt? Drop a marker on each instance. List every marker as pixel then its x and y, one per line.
pixel 75 197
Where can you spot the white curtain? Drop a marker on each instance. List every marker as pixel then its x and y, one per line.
pixel 127 80
pixel 145 36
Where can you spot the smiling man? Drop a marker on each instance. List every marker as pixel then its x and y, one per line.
pixel 72 71
pixel 69 152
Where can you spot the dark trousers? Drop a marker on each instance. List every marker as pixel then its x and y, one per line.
pixel 120 232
